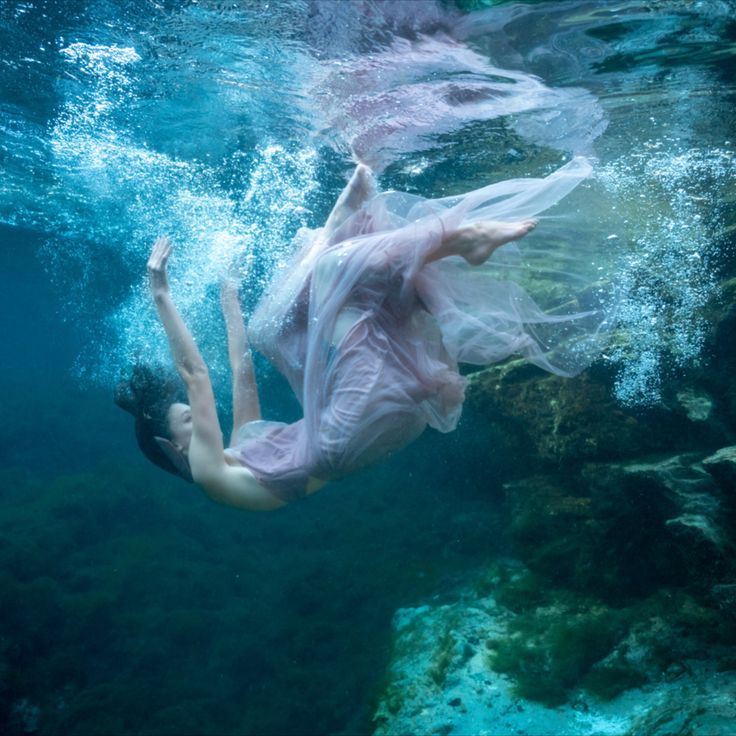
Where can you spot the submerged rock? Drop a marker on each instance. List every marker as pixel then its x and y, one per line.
pixel 663 519
pixel 722 466
pixel 719 375
pixel 550 524
pixel 697 405
pixel 557 419
pixel 617 529
pixel 571 665
pixel 568 421
pixel 702 707
pixel 724 596
pixel 621 617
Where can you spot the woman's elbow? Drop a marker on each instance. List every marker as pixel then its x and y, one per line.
pixel 194 374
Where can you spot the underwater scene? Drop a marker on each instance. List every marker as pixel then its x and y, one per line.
pixel 564 560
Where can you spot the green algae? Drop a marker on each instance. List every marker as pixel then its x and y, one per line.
pixel 548 651
pixel 129 603
pixel 521 592
pixel 605 682
pixel 558 641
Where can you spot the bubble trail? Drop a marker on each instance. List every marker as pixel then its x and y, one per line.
pixel 121 193
pixel 667 199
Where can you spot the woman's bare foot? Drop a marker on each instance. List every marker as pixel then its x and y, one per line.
pixel 359 189
pixel 476 242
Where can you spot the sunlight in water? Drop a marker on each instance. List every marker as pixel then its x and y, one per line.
pixel 143 145
pixel 124 194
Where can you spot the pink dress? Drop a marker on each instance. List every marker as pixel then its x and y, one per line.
pixel 369 336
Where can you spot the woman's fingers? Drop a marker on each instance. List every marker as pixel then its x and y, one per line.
pixel 159 253
pixel 162 248
pixel 157 278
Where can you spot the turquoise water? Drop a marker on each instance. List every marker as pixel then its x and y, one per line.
pixel 130 604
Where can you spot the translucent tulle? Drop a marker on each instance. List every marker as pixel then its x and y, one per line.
pixel 369 335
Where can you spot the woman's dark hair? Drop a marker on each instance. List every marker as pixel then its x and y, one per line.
pixel 147 394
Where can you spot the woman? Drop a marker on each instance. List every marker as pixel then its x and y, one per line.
pixel 368 325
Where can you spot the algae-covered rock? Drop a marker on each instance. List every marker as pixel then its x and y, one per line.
pixel 617 529
pixel 722 466
pixel 566 421
pixel 433 646
pixel 724 596
pixel 697 404
pixel 471 698
pixel 562 663
pixel 660 522
pixel 548 650
pixel 550 526
pixel 723 319
pixel 720 373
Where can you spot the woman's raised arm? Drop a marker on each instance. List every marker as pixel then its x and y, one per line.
pixel 234 486
pixel 246 406
pixel 206 449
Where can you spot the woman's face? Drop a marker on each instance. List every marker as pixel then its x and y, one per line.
pixel 179 418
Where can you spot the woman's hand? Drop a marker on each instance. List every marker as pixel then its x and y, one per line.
pixel 157 278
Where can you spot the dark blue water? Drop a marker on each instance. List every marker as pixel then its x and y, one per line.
pixel 129 603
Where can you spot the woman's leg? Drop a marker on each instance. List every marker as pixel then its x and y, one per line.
pixel 476 242
pixel 360 188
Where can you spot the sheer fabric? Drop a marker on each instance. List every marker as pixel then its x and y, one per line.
pixel 369 335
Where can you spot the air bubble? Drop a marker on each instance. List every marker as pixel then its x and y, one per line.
pixel 670 273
